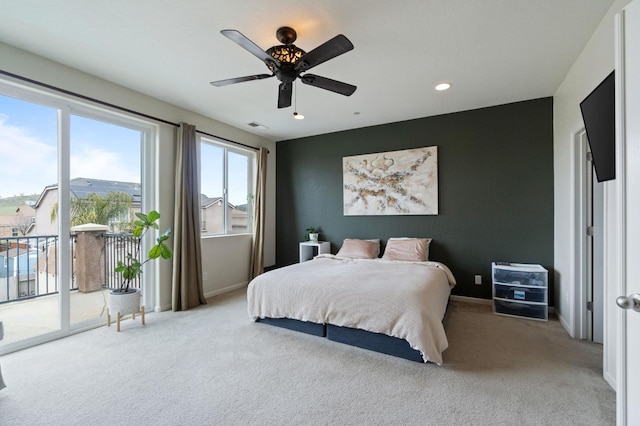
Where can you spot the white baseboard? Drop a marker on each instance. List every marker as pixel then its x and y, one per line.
pixel 161 308
pixel 611 380
pixel 207 295
pixel 225 290
pixel 566 325
pixel 471 299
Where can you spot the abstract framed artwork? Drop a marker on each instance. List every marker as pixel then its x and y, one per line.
pixel 391 183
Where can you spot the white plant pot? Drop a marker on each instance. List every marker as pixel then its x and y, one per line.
pixel 121 304
pixel 313 237
pixel 125 303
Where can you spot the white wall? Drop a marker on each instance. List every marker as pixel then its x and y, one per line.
pixel 226 256
pixel 222 273
pixel 595 62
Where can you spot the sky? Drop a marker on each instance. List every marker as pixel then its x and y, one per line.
pixel 28 148
pixel 28 153
pixel 211 174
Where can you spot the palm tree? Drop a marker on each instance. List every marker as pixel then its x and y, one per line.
pixel 98 209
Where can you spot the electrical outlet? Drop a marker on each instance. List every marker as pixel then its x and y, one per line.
pixel 204 276
pixel 478 279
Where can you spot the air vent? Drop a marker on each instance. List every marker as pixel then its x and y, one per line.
pixel 258 126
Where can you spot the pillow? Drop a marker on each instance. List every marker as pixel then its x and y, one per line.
pixel 359 249
pixel 414 249
pixel 377 241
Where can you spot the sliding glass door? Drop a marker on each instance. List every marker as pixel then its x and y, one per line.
pixel 70 185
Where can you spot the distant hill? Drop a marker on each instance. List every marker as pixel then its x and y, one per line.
pixel 9 205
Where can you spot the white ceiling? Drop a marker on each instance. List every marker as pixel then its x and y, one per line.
pixel 492 51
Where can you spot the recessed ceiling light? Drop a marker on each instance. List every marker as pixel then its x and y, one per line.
pixel 298 116
pixel 443 86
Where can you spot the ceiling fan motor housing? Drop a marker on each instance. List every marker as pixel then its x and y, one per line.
pixel 286 73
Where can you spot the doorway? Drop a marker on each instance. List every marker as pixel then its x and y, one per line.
pixel 590 247
pixel 68 165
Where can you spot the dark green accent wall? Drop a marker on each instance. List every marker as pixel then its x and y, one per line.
pixel 495 189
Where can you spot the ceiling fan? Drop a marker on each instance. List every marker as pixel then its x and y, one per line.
pixel 287 62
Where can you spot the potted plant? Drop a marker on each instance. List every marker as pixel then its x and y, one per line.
pixel 311 235
pixel 125 300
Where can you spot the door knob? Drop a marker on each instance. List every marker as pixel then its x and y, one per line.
pixel 629 302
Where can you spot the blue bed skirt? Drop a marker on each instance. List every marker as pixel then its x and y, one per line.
pixel 351 336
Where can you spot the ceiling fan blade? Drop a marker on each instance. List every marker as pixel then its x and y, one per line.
pixel 328 84
pixel 228 81
pixel 328 50
pixel 284 95
pixel 251 47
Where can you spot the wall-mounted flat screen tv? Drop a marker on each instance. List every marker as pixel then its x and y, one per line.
pixel 599 116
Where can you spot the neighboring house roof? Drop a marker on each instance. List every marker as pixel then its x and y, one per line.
pixel 8 220
pixel 206 202
pixel 44 193
pixel 83 187
pixel 26 210
pixel 19 220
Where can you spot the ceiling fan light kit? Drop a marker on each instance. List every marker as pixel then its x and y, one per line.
pixel 287 62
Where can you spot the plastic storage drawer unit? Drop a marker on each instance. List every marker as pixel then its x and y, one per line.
pixel 520 289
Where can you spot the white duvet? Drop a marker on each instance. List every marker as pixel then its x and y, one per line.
pixel 400 299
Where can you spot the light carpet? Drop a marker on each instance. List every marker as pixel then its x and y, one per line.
pixel 213 366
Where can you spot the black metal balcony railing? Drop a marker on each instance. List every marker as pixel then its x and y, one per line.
pixel 116 248
pixel 29 265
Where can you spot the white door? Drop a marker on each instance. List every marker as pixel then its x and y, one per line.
pixel 628 137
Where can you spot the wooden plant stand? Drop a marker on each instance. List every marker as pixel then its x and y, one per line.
pixel 120 316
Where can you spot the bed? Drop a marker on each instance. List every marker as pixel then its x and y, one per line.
pixel 391 306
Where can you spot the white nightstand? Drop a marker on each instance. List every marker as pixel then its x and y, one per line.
pixel 310 249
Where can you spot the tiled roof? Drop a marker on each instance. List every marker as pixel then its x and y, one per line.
pixel 83 187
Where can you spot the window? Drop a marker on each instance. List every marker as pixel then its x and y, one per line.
pixel 226 183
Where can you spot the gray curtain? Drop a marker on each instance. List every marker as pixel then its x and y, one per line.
pixel 257 248
pixel 187 258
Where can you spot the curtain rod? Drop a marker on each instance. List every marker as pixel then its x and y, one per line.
pixel 110 105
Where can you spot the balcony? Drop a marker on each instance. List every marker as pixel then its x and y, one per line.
pixel 39 315
pixel 29 280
